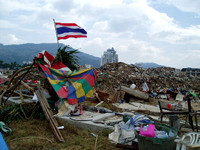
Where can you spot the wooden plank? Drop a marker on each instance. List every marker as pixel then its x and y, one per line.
pixel 136 93
pixel 46 104
pixel 49 117
pixel 49 114
pixel 27 86
pixel 20 94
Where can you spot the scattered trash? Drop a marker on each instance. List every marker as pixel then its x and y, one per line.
pixel 119 84
pixel 163 138
pixel 4 128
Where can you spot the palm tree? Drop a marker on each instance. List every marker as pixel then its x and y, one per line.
pixel 69 58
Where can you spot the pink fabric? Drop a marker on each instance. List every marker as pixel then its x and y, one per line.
pixel 150 131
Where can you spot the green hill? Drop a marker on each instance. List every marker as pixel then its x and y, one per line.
pixel 26 52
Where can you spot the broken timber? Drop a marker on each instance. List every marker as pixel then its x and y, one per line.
pixel 48 114
pixel 12 88
pixel 135 93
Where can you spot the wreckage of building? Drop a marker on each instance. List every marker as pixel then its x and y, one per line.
pixel 148 98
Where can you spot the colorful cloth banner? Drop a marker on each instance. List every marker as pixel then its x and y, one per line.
pixel 71 85
pixel 69 30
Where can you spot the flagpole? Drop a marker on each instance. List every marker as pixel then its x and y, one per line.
pixel 57 38
pixel 56 32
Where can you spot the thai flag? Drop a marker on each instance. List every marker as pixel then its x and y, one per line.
pixel 69 30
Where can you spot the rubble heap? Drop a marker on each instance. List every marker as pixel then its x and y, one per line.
pixel 112 75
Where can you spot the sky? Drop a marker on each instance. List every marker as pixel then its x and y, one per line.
pixel 166 32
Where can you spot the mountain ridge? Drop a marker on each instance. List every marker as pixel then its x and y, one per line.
pixel 20 53
pixel 147 65
pixel 26 52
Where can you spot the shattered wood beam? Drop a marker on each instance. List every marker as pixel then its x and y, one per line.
pixel 18 82
pixel 27 86
pixel 136 93
pixel 24 95
pixel 46 103
pixel 49 117
pixel 4 92
pixel 16 78
pixel 7 90
pixel 48 114
pixel 17 72
pixel 20 94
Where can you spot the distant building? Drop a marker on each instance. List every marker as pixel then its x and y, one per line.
pixel 1 72
pixel 109 56
pixel 191 71
pixel 88 66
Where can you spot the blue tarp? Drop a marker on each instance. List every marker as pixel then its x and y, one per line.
pixel 3 145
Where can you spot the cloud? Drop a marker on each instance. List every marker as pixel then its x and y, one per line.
pixel 11 39
pixel 63 5
pixel 7 24
pixel 138 51
pixel 162 27
pixel 177 35
pixel 190 58
pixel 14 39
pixel 137 31
pixel 10 6
pixel 185 5
pixel 100 3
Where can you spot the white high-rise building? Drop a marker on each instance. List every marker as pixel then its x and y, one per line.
pixel 109 56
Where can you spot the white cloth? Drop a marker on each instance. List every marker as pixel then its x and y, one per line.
pixel 145 87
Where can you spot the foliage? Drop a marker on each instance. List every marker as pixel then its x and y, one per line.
pixel 13 65
pixel 69 58
pixel 20 111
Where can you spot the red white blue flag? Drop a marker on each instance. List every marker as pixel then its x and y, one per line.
pixel 69 30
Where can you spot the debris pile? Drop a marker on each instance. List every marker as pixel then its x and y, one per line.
pixel 117 82
pixel 113 75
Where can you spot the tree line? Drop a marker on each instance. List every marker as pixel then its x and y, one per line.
pixel 69 58
pixel 12 65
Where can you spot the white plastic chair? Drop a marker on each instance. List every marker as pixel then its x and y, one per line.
pixel 189 141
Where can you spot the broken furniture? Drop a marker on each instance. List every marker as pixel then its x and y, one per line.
pixel 190 113
pixel 188 141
